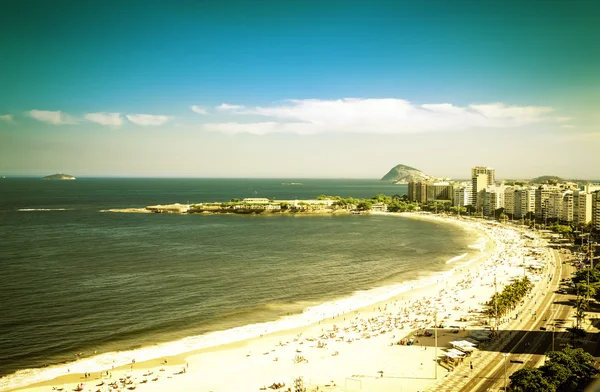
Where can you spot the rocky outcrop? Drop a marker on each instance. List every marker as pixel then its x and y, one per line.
pixel 402 174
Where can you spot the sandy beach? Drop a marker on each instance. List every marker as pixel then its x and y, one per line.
pixel 364 350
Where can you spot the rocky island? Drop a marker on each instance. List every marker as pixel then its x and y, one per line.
pixel 402 174
pixel 60 176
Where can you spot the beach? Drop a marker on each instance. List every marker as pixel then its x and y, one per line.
pixel 357 350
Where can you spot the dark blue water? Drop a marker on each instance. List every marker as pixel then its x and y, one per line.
pixel 76 280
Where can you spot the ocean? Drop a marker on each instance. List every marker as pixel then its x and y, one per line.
pixel 84 290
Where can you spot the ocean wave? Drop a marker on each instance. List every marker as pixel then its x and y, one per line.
pixel 310 315
pixel 456 258
pixel 42 209
pixel 480 244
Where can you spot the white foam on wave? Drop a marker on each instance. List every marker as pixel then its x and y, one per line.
pixel 310 315
pixel 42 209
pixel 456 258
pixel 480 244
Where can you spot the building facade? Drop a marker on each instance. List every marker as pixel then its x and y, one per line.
pixel 417 191
pixel 524 202
pixel 509 200
pixel 541 201
pixel 462 195
pixel 582 207
pixel 491 173
pixel 440 191
pixel 493 199
pixel 479 183
pixel 596 210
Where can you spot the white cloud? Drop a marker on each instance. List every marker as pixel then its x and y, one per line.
pixel 198 109
pixel 378 116
pixel 568 126
pixel 147 119
pixel 225 106
pixel 52 117
pixel 7 118
pixel 108 119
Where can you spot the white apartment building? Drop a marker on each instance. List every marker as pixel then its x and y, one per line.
pixel 554 204
pixel 479 182
pixel 493 198
pixel 509 200
pixel 524 202
pixel 567 207
pixel 596 210
pixel 582 207
pixel 591 188
pixel 462 195
pixel 548 200
pixel 441 190
pixel 491 173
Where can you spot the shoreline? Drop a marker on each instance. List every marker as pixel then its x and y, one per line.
pixel 368 311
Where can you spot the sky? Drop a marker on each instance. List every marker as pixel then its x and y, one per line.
pixel 299 89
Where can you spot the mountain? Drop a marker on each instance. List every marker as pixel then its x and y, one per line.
pixel 545 179
pixel 402 174
pixel 59 176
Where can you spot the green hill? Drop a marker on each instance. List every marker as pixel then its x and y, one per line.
pixel 545 179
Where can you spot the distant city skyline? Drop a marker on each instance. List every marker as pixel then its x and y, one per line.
pixel 300 89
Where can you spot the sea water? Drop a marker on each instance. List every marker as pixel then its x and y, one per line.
pixel 85 290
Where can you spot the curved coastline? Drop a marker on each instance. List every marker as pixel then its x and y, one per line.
pixel 324 314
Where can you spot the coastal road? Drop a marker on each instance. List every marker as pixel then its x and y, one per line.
pixel 529 345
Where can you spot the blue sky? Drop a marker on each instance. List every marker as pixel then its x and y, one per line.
pixel 102 88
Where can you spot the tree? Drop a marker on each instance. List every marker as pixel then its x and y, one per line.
pixel 576 332
pixel 364 205
pixel 556 373
pixel 235 200
pixel 322 197
pixel 577 366
pixel 381 198
pixel 529 379
pixel 582 275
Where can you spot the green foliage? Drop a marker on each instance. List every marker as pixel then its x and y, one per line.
pixel 529 379
pixel 511 295
pixel 576 332
pixel 364 205
pixel 565 370
pixel 585 290
pixel 235 200
pixel 581 276
pixel 381 198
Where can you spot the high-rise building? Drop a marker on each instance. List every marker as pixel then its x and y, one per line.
pixel 493 199
pixel 524 202
pixel 479 183
pixel 567 206
pixel 440 191
pixel 582 207
pixel 491 173
pixel 509 200
pixel 596 210
pixel 541 201
pixel 417 191
pixel 550 200
pixel 462 195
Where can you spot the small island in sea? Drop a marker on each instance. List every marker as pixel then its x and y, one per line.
pixel 60 176
pixel 321 205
